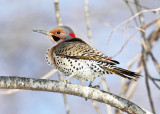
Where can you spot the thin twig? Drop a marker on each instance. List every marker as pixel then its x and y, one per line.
pixel 127 34
pixel 149 24
pixel 91 42
pixel 145 49
pixel 94 103
pixel 64 95
pixel 58 17
pixel 124 44
pixel 126 21
pixel 9 92
pixel 49 74
pixel 155 62
pixel 106 88
pixel 132 12
pixel 88 23
pixel 131 90
pixel 152 38
pixel 154 81
pixel 134 84
pixel 133 60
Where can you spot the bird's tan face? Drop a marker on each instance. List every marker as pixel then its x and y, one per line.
pixel 57 35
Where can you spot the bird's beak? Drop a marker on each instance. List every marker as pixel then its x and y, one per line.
pixel 42 32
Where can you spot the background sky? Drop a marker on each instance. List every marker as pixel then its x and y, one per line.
pixel 22 52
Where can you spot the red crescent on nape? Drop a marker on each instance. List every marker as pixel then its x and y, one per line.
pixel 72 35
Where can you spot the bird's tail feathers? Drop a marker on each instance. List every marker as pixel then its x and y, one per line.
pixel 123 72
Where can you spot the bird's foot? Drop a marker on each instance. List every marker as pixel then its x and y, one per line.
pixel 96 86
pixel 65 81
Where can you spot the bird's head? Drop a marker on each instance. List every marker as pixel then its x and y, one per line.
pixel 58 34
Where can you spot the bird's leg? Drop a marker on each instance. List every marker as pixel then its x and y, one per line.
pixel 96 86
pixel 69 76
pixel 66 79
pixel 90 84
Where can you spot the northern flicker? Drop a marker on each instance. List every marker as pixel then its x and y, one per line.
pixel 75 58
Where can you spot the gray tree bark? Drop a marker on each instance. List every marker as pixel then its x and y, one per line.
pixel 72 89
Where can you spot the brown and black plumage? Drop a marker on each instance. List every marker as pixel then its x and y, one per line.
pixel 75 58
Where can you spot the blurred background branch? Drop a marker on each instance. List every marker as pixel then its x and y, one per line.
pixel 58 17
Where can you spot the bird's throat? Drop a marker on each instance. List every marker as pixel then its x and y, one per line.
pixel 56 38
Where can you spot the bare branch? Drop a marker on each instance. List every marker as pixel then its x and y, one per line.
pixel 96 106
pixel 132 61
pixel 127 34
pixel 9 92
pixel 132 12
pixel 88 23
pixel 149 24
pixel 154 82
pixel 72 89
pixel 49 74
pixel 155 62
pixel 106 88
pixel 126 21
pixel 56 3
pixel 154 36
pixel 94 103
pixel 58 17
pixel 64 95
pixel 145 49
pixel 14 91
pixel 124 44
pixel 91 42
pixel 131 90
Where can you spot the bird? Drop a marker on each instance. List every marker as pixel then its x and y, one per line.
pixel 76 59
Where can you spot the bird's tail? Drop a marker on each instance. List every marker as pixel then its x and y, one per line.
pixel 123 72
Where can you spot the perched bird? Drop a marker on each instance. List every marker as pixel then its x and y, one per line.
pixel 75 58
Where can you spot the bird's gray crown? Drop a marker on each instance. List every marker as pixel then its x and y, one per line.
pixel 66 29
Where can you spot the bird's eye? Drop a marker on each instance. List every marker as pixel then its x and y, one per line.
pixel 58 32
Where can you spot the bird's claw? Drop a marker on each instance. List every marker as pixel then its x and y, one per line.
pixel 65 81
pixel 96 86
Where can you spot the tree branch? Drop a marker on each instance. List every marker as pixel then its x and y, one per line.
pixel 145 48
pixel 72 89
